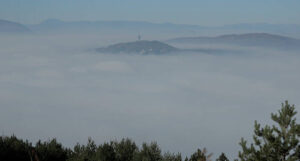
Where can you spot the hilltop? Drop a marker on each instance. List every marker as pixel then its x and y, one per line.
pixel 139 47
pixel 249 39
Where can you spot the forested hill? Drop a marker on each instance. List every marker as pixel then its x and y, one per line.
pixel 250 39
pixel 139 47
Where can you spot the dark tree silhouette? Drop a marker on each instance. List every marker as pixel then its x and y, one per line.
pixel 275 143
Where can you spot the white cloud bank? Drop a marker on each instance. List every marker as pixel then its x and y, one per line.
pixel 49 88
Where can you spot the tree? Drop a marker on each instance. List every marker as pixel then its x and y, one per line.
pixel 201 155
pixel 14 149
pixel 51 150
pixel 276 143
pixel 106 152
pixel 222 157
pixel 125 150
pixel 172 157
pixel 150 152
pixel 84 152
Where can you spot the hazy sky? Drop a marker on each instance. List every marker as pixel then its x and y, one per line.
pixel 202 12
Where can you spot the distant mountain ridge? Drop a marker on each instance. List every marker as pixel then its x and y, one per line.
pixel 139 47
pixel 12 27
pixel 147 29
pixel 59 26
pixel 249 39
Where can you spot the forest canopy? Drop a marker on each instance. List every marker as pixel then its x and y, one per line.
pixel 279 142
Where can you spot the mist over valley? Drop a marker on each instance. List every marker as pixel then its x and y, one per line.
pixel 187 76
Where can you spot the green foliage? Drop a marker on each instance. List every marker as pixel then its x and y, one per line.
pixel 125 150
pixel 172 157
pixel 201 155
pixel 51 150
pixel 276 143
pixel 279 142
pixel 150 152
pixel 84 152
pixel 107 152
pixel 13 149
pixel 222 157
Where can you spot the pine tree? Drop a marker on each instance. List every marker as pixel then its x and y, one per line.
pixel 275 143
pixel 50 150
pixel 125 150
pixel 222 157
pixel 172 157
pixel 150 152
pixel 201 155
pixel 14 149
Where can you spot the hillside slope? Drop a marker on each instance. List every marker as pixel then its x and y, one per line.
pixel 250 39
pixel 139 47
pixel 12 27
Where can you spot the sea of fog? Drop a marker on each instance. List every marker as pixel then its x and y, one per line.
pixel 58 87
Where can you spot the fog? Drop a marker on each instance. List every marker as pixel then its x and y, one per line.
pixel 57 87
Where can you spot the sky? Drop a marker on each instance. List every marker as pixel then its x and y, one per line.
pixel 200 12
